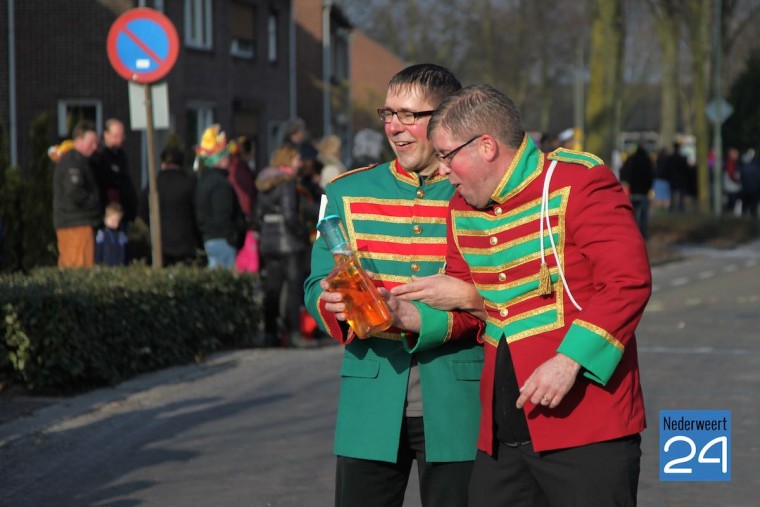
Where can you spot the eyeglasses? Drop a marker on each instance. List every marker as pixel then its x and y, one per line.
pixel 405 117
pixel 446 158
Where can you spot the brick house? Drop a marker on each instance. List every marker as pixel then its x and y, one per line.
pixel 246 64
pixel 322 68
pixel 371 68
pixel 233 69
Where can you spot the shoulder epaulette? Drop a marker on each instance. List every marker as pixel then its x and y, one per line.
pixel 575 157
pixel 352 172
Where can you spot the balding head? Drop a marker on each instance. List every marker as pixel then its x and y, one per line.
pixel 113 136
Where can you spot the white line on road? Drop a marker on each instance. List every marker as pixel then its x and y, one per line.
pixel 730 268
pixel 696 350
pixel 677 282
pixel 704 275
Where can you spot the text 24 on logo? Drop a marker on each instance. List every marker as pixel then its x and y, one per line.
pixel 695 445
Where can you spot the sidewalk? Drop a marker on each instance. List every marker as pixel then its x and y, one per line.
pixel 22 415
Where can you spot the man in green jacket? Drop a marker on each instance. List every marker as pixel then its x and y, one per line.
pixel 401 399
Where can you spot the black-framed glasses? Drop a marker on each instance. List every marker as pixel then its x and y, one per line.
pixel 446 158
pixel 405 117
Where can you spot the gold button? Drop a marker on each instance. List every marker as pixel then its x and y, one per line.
pixel 415 267
pixel 420 193
pixel 497 210
pixel 502 277
pixel 493 240
pixel 417 229
pixel 503 312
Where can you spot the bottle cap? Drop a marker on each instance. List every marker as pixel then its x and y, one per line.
pixel 331 229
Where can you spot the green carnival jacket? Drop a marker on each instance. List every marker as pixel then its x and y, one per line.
pixel 396 224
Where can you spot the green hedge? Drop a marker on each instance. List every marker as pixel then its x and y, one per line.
pixel 718 231
pixel 65 330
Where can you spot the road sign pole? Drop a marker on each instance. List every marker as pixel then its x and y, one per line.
pixel 142 47
pixel 155 217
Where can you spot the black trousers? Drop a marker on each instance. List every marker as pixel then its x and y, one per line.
pixel 604 474
pixel 367 483
pixel 282 276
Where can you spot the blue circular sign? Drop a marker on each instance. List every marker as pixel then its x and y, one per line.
pixel 143 45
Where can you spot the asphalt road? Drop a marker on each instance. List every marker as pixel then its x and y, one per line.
pixel 254 427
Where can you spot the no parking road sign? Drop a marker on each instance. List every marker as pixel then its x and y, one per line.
pixel 142 45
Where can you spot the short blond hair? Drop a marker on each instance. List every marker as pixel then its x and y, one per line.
pixel 114 208
pixel 330 145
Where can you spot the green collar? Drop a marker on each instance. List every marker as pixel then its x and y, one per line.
pixel 527 164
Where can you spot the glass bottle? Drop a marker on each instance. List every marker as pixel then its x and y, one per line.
pixel 366 311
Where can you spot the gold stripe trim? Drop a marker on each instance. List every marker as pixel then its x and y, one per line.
pixel 504 246
pixel 404 257
pixel 406 203
pixel 512 264
pixel 413 219
pixel 601 332
pixel 405 240
pixel 513 284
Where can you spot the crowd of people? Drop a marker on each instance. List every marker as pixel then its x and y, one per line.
pixel 226 215
pixel 667 182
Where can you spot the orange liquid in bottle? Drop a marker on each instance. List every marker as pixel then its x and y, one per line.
pixel 366 311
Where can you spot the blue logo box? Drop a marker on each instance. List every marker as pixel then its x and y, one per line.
pixel 695 445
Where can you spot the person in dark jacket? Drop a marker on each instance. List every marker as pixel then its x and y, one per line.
pixel 109 165
pixel 241 176
pixel 749 173
pixel 111 240
pixel 637 177
pixel 220 218
pixel 180 239
pixel 677 168
pixel 76 199
pixel 283 237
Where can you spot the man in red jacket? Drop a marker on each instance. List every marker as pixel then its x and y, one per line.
pixel 550 243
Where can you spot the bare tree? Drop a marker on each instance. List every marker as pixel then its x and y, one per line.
pixel 511 44
pixel 605 67
pixel 667 19
pixel 698 16
pixel 528 49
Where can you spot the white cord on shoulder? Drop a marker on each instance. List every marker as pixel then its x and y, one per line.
pixel 545 216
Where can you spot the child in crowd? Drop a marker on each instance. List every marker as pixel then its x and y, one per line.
pixel 110 241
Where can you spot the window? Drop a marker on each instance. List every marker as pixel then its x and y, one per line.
pixel 243 24
pixel 272 30
pixel 199 117
pixel 245 123
pixel 198 24
pixel 70 111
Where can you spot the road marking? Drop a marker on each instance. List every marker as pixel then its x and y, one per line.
pixel 704 275
pixel 730 268
pixel 698 350
pixel 750 263
pixel 655 306
pixel 680 281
